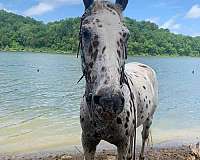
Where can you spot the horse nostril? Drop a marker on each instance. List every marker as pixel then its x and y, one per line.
pixel 119 104
pixel 118 100
pixel 89 98
pixel 97 99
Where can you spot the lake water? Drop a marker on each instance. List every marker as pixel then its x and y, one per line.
pixel 39 100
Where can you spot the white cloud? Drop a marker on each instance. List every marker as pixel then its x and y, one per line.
pixel 153 20
pixel 171 24
pixel 2 7
pixel 194 12
pixel 38 9
pixel 195 34
pixel 45 6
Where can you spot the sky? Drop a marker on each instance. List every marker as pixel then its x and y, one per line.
pixel 179 16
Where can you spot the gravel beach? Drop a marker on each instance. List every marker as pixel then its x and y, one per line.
pixel 158 153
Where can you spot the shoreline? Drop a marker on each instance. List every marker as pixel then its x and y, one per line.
pixel 167 149
pixel 71 53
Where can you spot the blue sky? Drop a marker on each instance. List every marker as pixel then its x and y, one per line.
pixel 180 16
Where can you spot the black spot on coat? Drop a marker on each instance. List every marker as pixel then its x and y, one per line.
pixel 119 54
pixel 95 43
pixel 126 133
pixel 119 121
pixel 104 48
pixel 128 113
pixel 126 125
pixel 103 69
pixel 127 119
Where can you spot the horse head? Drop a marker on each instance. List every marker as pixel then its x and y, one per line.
pixel 103 38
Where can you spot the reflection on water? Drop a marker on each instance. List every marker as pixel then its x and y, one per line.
pixel 39 100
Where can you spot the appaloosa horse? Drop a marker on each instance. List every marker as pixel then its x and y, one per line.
pixel 118 98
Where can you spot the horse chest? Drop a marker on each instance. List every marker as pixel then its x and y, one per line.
pixel 113 131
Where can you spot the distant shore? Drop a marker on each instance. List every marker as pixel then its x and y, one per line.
pixel 38 51
pixel 74 53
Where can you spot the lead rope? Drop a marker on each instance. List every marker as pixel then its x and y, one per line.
pixel 80 45
pixel 125 79
pixel 135 121
pixel 80 37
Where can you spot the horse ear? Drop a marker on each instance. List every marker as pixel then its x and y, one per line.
pixel 87 3
pixel 122 4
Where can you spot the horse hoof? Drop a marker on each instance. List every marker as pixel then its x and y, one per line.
pixel 141 157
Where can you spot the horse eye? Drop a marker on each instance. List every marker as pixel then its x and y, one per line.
pixel 124 34
pixel 86 33
pixel 128 35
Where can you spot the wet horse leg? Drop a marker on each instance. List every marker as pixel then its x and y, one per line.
pixel 130 150
pixel 145 135
pixel 122 149
pixel 122 152
pixel 89 147
pixel 125 149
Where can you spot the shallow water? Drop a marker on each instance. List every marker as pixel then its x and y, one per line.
pixel 39 100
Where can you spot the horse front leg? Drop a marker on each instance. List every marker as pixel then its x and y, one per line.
pixel 145 135
pixel 123 150
pixel 130 149
pixel 89 146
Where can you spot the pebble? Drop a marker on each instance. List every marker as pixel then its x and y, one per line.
pixel 111 157
pixel 65 157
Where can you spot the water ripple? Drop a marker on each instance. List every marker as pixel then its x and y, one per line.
pixel 46 103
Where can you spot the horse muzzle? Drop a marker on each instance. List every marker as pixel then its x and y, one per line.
pixel 109 104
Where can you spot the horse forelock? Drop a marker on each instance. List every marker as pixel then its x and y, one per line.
pixel 100 5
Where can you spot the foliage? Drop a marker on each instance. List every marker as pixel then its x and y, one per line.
pixel 18 33
pixel 148 38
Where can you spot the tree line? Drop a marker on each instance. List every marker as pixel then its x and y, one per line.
pixel 18 33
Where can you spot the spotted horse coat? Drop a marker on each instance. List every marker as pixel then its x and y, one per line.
pixel 118 98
